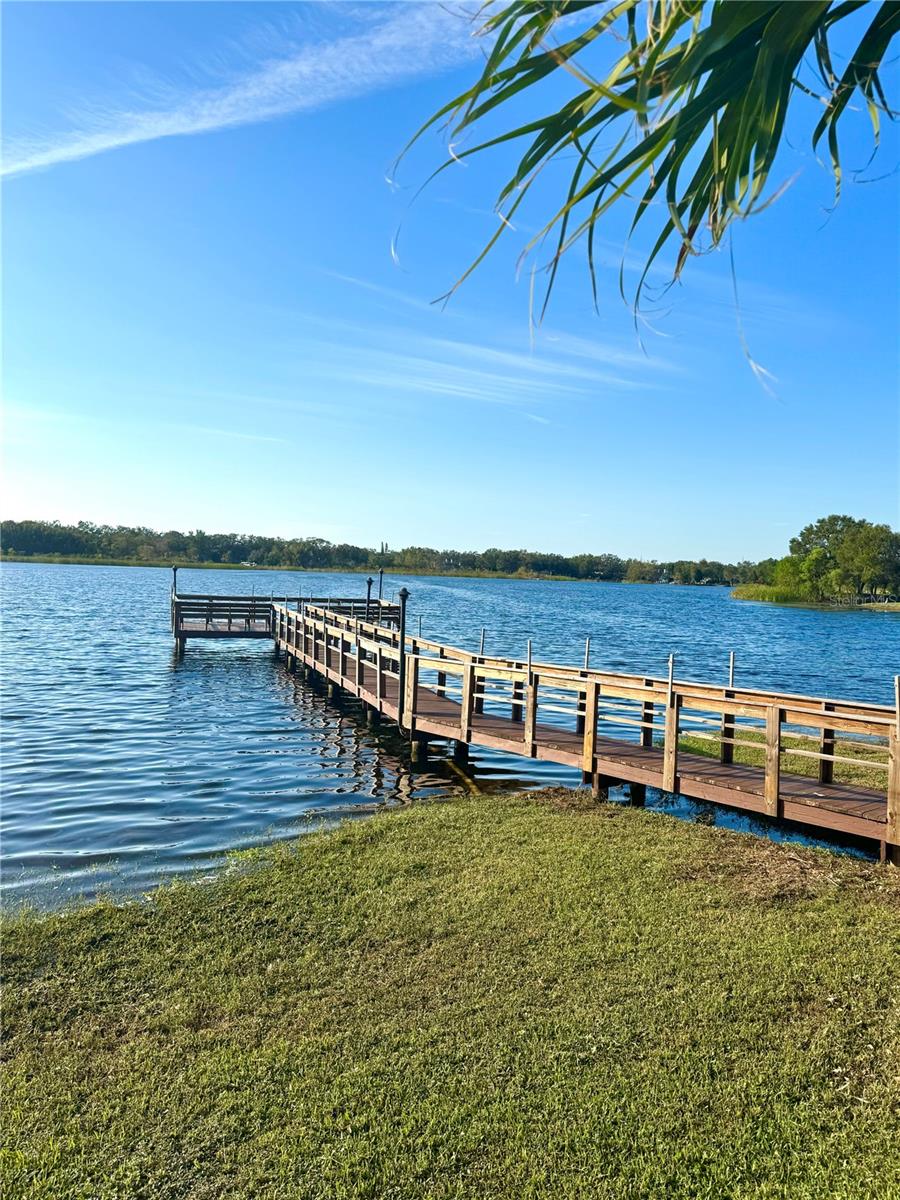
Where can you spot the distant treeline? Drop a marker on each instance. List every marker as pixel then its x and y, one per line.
pixel 124 543
pixel 835 558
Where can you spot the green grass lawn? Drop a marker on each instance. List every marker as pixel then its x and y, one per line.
pixel 495 996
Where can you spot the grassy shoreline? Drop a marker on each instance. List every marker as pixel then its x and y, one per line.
pixel 522 996
pixel 363 572
pixel 770 594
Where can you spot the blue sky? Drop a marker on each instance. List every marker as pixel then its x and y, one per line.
pixel 205 325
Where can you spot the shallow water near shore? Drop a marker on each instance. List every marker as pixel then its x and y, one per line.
pixel 124 767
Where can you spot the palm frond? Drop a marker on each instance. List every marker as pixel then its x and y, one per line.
pixel 695 109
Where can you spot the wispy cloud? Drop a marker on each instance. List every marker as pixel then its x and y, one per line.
pixel 377 289
pixel 383 365
pixel 402 43
pixel 31 416
pixel 239 434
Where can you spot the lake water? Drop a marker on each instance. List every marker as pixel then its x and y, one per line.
pixel 124 766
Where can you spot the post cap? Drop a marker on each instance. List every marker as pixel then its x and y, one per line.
pixel 403 593
pixel 370 580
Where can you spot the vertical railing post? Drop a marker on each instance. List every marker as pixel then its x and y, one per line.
pixel 173 604
pixel 589 743
pixel 582 696
pixel 480 682
pixel 773 761
pixel 468 697
pixel 892 826
pixel 531 707
pixel 369 583
pixel 478 701
pixel 518 690
pixel 360 669
pixel 401 688
pixel 648 709
pixel 412 688
pixel 670 746
pixel 726 740
pixel 826 750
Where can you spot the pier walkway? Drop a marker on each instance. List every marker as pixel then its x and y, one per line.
pixel 614 728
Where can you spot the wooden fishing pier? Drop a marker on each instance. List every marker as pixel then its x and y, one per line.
pixel 614 728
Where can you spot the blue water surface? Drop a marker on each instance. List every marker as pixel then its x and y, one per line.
pixel 124 766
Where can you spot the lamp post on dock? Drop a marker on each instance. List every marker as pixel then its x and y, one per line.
pixel 369 583
pixel 380 583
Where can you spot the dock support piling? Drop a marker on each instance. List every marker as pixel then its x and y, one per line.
pixel 600 785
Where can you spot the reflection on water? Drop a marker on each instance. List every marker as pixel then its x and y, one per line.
pixel 124 765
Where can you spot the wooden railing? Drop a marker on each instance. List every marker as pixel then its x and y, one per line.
pixel 233 611
pixel 236 613
pixel 586 706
